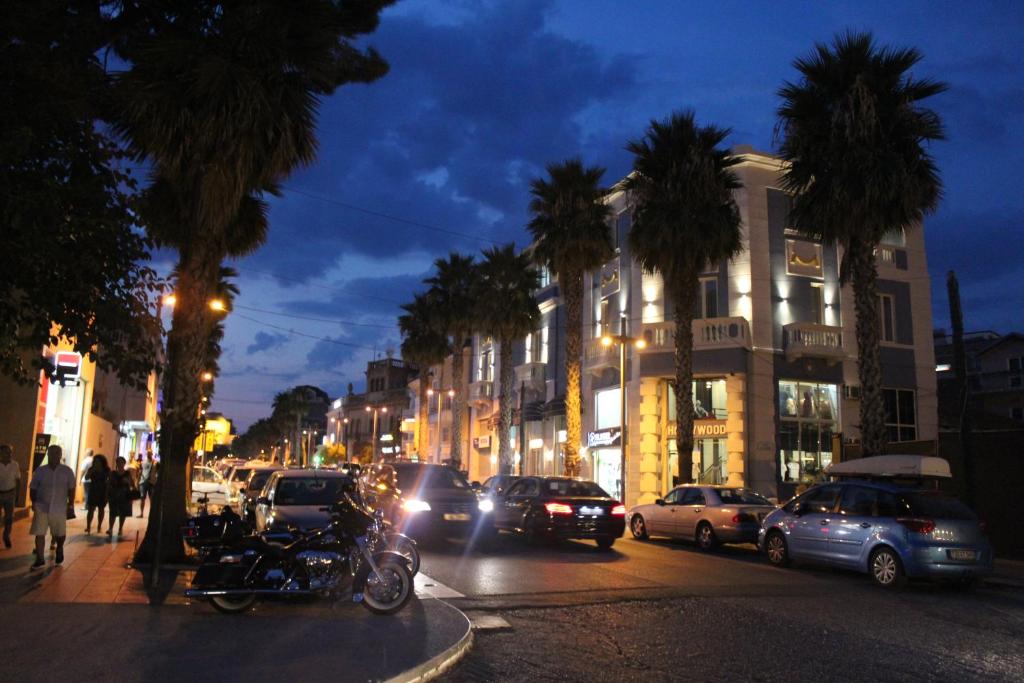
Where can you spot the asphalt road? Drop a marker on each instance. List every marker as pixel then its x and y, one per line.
pixel 664 611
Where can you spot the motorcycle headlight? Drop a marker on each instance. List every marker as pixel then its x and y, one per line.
pixel 485 505
pixel 415 505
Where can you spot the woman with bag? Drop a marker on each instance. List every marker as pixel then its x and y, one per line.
pixel 96 491
pixel 119 491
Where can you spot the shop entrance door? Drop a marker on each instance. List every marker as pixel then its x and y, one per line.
pixel 608 470
pixel 709 456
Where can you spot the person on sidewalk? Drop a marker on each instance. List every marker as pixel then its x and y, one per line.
pixel 10 475
pixel 86 466
pixel 53 493
pixel 119 488
pixel 147 479
pixel 96 491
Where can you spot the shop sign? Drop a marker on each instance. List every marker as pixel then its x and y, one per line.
pixel 604 437
pixel 39 450
pixel 482 442
pixel 702 429
pixel 67 366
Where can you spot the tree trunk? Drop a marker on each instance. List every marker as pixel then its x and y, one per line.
pixel 686 292
pixel 458 401
pixel 505 408
pixel 423 416
pixel 864 274
pixel 198 275
pixel 571 286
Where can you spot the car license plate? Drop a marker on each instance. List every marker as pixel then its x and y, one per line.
pixel 591 510
pixel 456 517
pixel 961 554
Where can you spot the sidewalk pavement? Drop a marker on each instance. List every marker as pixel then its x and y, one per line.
pixel 94 615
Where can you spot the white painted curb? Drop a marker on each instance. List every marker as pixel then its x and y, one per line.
pixel 439 664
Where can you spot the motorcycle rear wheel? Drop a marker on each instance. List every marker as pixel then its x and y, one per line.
pixel 232 604
pixel 391 594
pixel 406 547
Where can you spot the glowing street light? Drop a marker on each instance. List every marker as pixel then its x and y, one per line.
pixel 623 340
pixel 207 376
pixel 217 305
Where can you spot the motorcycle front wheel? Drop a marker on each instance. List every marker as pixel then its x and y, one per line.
pixel 232 604
pixel 390 592
pixel 406 547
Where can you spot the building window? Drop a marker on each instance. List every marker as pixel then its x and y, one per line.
pixel 807 418
pixel 709 297
pixel 886 317
pixel 485 364
pixel 900 414
pixel 1015 363
pixel 1015 381
pixel 896 237
pixel 804 258
pixel 708 397
pixel 607 411
pixel 817 303
pixel 545 276
pixel 1017 413
pixel 537 346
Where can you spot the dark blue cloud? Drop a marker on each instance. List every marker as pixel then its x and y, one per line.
pixel 264 341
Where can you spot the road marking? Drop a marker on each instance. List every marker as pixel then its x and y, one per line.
pixel 429 588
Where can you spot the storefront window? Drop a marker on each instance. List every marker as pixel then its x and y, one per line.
pixel 808 413
pixel 708 396
pixel 607 411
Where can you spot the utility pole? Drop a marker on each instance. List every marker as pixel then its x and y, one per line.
pixel 963 386
pixel 522 425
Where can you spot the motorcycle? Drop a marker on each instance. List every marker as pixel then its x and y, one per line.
pixel 235 573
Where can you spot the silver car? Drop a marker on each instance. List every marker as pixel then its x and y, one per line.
pixel 708 515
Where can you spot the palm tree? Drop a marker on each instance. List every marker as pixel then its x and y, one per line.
pixel 853 136
pixel 451 295
pixel 507 311
pixel 221 99
pixel 291 409
pixel 684 220
pixel 425 344
pixel 571 233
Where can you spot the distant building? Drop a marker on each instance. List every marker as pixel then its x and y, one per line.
pixel 216 430
pixel 995 373
pixel 369 424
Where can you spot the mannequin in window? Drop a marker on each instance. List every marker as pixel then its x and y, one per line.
pixel 807 406
pixel 788 404
pixel 824 405
pixel 699 410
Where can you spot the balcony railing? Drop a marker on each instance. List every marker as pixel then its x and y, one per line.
pixel 532 374
pixel 597 356
pixel 708 333
pixel 813 340
pixel 481 392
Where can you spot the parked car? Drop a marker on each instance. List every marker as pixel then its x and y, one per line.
pixel 890 531
pixel 250 490
pixel 297 498
pixel 559 508
pixel 206 481
pixel 708 515
pixel 436 500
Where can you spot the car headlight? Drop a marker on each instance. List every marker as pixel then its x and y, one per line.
pixel 415 505
pixel 486 505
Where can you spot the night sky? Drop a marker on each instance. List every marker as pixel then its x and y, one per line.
pixel 438 155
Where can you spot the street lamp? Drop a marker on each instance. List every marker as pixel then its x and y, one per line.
pixel 623 340
pixel 373 432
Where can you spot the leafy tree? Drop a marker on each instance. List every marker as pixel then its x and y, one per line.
pixel 294 410
pixel 451 295
pixel 684 220
pixel 854 135
pixel 73 262
pixel 425 344
pixel 220 98
pixel 507 311
pixel 571 236
pixel 259 438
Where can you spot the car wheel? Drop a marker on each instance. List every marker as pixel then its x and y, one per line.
pixel 638 527
pixel 775 549
pixel 706 539
pixel 605 542
pixel 885 568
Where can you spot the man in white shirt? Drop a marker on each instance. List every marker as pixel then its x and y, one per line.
pixel 10 476
pixel 52 491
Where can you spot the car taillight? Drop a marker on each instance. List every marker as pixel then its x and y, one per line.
pixel 919 525
pixel 558 508
pixel 743 517
pixel 619 510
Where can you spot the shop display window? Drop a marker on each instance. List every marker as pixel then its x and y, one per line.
pixel 708 396
pixel 808 415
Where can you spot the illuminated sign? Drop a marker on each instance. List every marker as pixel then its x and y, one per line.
pixel 482 442
pixel 604 437
pixel 67 367
pixel 702 429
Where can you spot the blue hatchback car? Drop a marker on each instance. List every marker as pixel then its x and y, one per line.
pixel 889 531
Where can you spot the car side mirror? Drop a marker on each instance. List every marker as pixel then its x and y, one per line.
pixel 799 509
pixel 660 501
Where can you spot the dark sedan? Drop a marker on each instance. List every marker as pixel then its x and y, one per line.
pixel 560 508
pixel 436 500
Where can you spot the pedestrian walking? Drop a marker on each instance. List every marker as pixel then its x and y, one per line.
pixel 53 493
pixel 86 466
pixel 147 480
pixel 119 492
pixel 96 492
pixel 10 476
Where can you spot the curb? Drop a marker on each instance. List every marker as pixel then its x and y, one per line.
pixel 441 663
